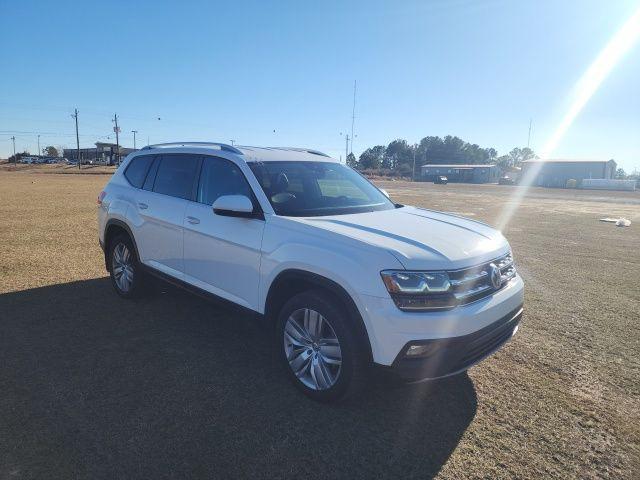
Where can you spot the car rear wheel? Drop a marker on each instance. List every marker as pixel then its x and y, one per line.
pixel 319 347
pixel 124 268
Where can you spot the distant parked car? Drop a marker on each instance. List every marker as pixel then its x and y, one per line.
pixel 506 181
pixel 441 180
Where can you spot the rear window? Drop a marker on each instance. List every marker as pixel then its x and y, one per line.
pixel 137 170
pixel 176 175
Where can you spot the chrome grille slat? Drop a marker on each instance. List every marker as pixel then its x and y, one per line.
pixel 469 278
pixel 474 283
pixel 510 273
pixel 473 291
pixel 507 262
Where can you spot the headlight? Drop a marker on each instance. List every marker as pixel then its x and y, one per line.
pixel 419 290
pixel 415 282
pixel 422 291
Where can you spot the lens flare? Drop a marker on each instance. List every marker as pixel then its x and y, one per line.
pixel 586 87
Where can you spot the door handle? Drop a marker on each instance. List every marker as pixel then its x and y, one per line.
pixel 143 206
pixel 193 220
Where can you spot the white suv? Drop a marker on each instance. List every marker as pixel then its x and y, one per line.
pixel 347 277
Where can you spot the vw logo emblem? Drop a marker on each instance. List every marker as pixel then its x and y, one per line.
pixel 496 276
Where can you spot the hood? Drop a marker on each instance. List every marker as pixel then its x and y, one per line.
pixel 420 239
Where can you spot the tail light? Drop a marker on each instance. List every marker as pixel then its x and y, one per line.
pixel 101 196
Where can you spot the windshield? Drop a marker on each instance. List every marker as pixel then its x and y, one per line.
pixel 301 189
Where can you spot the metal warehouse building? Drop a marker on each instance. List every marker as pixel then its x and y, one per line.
pixel 556 172
pixel 461 173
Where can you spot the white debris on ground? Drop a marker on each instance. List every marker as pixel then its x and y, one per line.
pixel 620 222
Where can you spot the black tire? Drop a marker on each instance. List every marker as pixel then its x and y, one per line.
pixel 355 366
pixel 138 283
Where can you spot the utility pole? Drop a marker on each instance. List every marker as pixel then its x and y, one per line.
pixel 38 145
pixel 117 130
pixel 14 149
pixel 529 137
pixel 346 149
pixel 134 138
pixel 353 114
pixel 75 116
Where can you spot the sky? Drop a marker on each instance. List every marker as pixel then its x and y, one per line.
pixel 282 73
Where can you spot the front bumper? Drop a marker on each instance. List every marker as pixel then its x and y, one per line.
pixel 448 356
pixel 391 329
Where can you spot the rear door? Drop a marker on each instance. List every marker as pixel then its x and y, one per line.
pixel 160 208
pixel 222 254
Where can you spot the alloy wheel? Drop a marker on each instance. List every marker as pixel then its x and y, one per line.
pixel 122 267
pixel 312 349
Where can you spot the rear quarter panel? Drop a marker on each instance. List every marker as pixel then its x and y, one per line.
pixel 119 195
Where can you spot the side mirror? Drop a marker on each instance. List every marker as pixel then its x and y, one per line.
pixel 233 206
pixel 386 194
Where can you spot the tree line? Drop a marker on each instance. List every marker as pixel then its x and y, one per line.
pixel 49 151
pixel 397 158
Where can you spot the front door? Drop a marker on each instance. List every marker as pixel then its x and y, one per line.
pixel 222 254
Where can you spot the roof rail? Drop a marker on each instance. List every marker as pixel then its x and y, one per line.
pixel 316 152
pixel 223 146
pixel 308 150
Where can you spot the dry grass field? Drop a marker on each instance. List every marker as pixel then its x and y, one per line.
pixel 92 386
pixel 57 168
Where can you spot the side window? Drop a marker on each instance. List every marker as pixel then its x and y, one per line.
pixel 221 177
pixel 137 170
pixel 176 175
pixel 151 176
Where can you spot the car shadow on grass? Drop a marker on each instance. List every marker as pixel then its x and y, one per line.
pixel 95 386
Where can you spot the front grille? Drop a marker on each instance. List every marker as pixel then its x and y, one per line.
pixel 471 284
pixel 484 346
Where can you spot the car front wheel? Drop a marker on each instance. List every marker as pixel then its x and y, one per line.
pixel 320 347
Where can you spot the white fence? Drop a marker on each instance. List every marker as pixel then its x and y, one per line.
pixel 608 184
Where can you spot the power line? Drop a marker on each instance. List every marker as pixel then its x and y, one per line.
pixel 60 108
pixel 48 134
